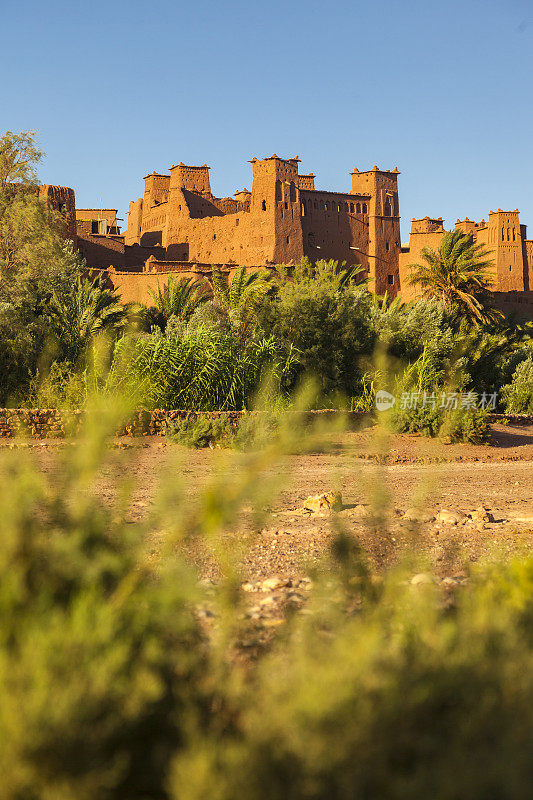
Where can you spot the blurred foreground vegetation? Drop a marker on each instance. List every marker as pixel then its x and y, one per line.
pixel 113 687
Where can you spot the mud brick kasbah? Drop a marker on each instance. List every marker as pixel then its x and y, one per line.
pixel 180 228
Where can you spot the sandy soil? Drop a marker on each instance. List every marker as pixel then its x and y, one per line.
pixel 414 472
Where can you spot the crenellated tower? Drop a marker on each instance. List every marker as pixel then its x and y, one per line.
pixel 384 226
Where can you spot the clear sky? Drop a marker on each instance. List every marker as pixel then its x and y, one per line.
pixel 118 89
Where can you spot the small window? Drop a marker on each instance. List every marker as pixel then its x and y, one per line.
pixel 390 279
pixel 288 239
pixel 214 236
pixel 351 208
pixel 286 204
pixel 237 221
pixel 387 247
pixel 364 208
pixel 510 269
pixel 264 205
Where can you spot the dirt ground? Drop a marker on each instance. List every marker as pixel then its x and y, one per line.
pixel 414 474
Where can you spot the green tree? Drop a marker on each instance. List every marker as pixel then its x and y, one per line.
pixel 178 298
pixel 241 297
pixel 328 319
pixel 457 274
pixel 321 273
pixel 81 312
pixel 19 156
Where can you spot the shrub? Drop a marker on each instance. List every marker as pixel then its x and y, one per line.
pixel 407 329
pixel 457 425
pixel 420 393
pixel 198 432
pixel 331 329
pixel 466 425
pixel 518 395
pixel 256 430
pixel 209 370
pixel 400 700
pixel 101 661
pixel 61 387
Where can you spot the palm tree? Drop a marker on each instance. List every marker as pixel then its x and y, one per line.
pixel 337 276
pixel 241 297
pixel 457 274
pixel 178 298
pixel 80 313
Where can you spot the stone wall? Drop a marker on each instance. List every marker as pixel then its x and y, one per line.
pixel 46 423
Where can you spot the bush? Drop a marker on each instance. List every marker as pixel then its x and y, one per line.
pixel 466 425
pixel 110 689
pixel 101 661
pixel 198 432
pixel 330 326
pixel 457 425
pixel 422 405
pixel 253 431
pixel 518 395
pixel 401 700
pixel 61 387
pixel 407 329
pixel 208 370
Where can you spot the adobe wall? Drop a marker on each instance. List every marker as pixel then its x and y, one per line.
pixel 426 232
pixel 502 237
pixel 109 214
pixel 134 287
pixel 281 220
pixel 335 226
pixel 384 226
pixel 528 264
pixel 132 234
pixel 517 303
pixel 98 250
pixel 63 200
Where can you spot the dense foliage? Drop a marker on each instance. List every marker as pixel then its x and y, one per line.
pixel 209 344
pixel 205 370
pixel 457 274
pixel 518 395
pixel 112 689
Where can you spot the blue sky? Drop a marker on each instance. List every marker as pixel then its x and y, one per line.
pixel 441 90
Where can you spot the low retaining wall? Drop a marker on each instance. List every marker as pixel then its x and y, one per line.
pixel 46 423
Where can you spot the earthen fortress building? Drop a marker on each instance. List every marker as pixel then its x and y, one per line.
pixel 179 227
